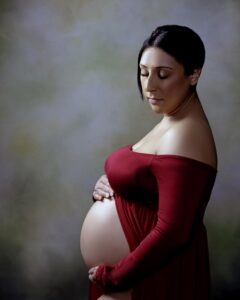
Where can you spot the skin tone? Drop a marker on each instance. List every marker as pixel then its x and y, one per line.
pixel 171 93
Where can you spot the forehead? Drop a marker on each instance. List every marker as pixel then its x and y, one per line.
pixel 156 57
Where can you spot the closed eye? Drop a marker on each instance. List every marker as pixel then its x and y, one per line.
pixel 144 75
pixel 159 75
pixel 162 76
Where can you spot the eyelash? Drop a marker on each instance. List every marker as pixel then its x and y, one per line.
pixel 161 77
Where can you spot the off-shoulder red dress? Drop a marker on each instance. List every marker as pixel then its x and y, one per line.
pixel 161 200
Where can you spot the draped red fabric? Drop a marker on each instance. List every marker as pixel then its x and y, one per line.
pixel 161 200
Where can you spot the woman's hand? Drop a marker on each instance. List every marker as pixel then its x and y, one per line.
pixel 124 295
pixel 102 189
pixel 92 274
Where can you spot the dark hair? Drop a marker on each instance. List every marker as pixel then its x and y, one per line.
pixel 181 42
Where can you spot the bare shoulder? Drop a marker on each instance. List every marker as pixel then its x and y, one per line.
pixel 190 138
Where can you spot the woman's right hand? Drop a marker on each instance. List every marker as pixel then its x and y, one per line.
pixel 102 189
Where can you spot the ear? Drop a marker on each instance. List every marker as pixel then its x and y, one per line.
pixel 195 76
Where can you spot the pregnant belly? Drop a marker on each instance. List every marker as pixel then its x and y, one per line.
pixel 102 239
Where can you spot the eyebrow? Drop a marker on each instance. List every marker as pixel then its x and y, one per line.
pixel 157 67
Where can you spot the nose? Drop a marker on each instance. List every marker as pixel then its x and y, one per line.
pixel 151 83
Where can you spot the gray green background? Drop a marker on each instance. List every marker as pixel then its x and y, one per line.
pixel 68 97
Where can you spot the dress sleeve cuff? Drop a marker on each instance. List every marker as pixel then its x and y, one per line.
pixel 102 277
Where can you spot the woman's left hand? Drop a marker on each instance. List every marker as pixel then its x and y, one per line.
pixel 92 274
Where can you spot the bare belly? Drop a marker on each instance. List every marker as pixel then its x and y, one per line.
pixel 102 239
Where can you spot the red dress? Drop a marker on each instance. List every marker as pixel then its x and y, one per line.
pixel 161 200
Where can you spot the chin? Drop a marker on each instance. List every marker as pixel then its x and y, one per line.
pixel 157 109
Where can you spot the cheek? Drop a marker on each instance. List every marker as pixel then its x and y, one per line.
pixel 175 86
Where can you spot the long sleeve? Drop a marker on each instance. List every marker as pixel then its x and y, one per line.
pixel 184 187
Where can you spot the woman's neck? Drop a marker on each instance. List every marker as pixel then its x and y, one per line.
pixel 184 107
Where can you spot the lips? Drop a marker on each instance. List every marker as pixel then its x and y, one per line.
pixel 155 101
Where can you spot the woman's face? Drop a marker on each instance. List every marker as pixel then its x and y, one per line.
pixel 164 84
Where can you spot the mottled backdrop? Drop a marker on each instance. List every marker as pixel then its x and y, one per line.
pixel 68 97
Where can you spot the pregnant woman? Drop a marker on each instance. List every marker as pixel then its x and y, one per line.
pixel 144 239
